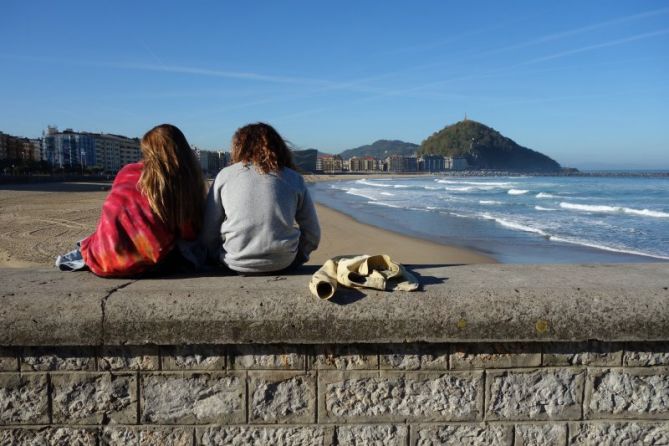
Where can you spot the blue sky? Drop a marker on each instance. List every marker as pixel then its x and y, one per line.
pixel 587 83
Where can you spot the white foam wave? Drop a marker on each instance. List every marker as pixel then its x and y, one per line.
pixel 541 208
pixel 489 202
pixel 477 183
pixel 366 182
pixel 381 203
pixel 388 194
pixel 517 191
pixel 613 210
pixel 514 225
pixel 544 195
pixel 605 248
pixel 359 193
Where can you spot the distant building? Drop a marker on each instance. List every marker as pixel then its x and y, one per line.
pixel 210 162
pixel 399 163
pixel 330 164
pixel 431 163
pixel 106 152
pixel 456 163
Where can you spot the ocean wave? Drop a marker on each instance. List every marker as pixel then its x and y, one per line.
pixel 605 248
pixel 544 195
pixel 366 182
pixel 359 193
pixel 388 194
pixel 489 202
pixel 381 203
pixel 477 183
pixel 514 225
pixel 540 208
pixel 517 191
pixel 614 210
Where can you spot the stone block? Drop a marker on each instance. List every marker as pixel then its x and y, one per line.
pixel 345 357
pixel 373 434
pixel 61 359
pixel 119 436
pixel 462 435
pixel 627 393
pixel 265 435
pixel 9 360
pixel 193 357
pixel 398 396
pixel 646 354
pixel 591 353
pixel 268 357
pixel 146 436
pixel 178 436
pixel 414 356
pixel 630 433
pixel 116 358
pixel 542 394
pixel 193 398
pixel 282 397
pixel 24 399
pixel 94 398
pixel 495 355
pixel 48 436
pixel 541 435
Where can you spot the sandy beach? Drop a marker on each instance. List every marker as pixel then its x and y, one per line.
pixel 40 221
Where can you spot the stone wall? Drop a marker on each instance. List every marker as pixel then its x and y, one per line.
pixel 386 394
pixel 481 355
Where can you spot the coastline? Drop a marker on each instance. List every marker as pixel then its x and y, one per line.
pixel 40 221
pixel 343 235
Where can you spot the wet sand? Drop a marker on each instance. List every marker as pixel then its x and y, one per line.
pixel 40 221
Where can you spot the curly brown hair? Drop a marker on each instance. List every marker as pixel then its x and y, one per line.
pixel 262 146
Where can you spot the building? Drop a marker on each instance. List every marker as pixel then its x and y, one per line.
pixel 432 163
pixel 210 162
pixel 456 163
pixel 330 164
pixel 17 148
pixel 101 151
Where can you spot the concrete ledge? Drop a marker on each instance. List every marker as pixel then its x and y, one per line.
pixel 458 304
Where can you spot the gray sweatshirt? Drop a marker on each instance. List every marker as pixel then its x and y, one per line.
pixel 258 222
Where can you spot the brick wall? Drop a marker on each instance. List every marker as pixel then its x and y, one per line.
pixel 386 394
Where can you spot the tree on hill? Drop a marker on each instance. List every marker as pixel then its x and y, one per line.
pixel 485 148
pixel 381 149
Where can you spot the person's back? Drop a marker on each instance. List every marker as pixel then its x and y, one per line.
pixel 259 218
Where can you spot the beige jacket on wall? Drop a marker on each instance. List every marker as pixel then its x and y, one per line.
pixel 378 272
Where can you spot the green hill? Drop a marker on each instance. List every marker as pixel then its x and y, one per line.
pixel 381 149
pixel 485 148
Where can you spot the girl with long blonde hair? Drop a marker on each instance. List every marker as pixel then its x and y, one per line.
pixel 152 204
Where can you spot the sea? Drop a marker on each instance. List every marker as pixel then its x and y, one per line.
pixel 532 219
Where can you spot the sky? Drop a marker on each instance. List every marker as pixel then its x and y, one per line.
pixel 585 82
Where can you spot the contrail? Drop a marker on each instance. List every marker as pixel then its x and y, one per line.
pixel 581 30
pixel 598 46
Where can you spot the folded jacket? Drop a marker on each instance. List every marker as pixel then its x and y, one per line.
pixel 377 272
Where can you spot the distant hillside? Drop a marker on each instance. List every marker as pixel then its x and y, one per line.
pixel 485 148
pixel 381 149
pixel 305 160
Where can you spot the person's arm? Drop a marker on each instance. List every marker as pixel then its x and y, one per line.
pixel 310 230
pixel 214 214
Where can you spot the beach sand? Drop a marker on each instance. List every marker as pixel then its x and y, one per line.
pixel 40 221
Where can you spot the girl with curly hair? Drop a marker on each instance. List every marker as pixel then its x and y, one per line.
pixel 259 216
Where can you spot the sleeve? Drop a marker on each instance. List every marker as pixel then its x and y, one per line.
pixel 214 214
pixel 310 230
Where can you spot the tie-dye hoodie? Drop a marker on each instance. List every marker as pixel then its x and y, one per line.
pixel 130 238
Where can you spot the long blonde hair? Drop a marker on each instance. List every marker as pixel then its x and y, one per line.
pixel 171 178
